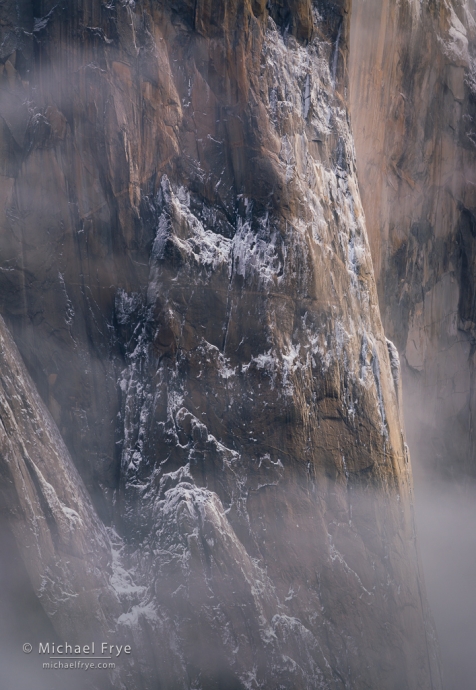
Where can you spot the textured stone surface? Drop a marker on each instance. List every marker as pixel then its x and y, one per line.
pixel 62 543
pixel 185 269
pixel 413 113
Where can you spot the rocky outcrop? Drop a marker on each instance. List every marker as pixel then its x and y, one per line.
pixel 185 269
pixel 62 543
pixel 413 109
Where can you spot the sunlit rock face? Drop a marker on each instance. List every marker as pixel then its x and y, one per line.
pixel 413 101
pixel 185 269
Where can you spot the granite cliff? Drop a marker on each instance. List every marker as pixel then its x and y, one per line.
pixel 216 431
pixel 413 99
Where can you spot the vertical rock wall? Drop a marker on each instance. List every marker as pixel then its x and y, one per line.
pixel 185 269
pixel 413 113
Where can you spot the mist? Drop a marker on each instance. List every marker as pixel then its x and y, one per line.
pixel 264 512
pixel 445 516
pixel 23 621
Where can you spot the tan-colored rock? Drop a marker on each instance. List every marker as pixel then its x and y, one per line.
pixel 190 283
pixel 412 105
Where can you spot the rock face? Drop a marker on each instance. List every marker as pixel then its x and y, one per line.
pixel 63 544
pixel 47 507
pixel 185 269
pixel 413 99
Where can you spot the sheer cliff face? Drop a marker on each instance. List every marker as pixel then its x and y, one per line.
pixel 186 272
pixel 44 498
pixel 413 113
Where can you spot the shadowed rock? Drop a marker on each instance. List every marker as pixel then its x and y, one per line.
pixel 188 276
